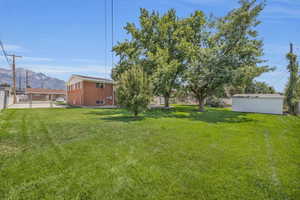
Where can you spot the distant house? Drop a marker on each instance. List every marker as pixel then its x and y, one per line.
pixel 258 103
pixel 41 94
pixel 90 91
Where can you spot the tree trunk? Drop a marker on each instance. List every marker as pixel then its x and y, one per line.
pixel 167 105
pixel 201 101
pixel 136 113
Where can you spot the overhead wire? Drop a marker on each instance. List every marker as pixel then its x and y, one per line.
pixel 105 36
pixel 112 32
pixel 4 53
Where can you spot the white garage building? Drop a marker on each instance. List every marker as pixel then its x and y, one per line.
pixel 258 103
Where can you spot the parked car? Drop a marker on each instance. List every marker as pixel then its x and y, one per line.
pixel 60 99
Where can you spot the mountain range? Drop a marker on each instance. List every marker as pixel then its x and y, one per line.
pixel 35 79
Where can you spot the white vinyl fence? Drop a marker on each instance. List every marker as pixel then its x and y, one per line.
pixel 2 99
pixel 5 99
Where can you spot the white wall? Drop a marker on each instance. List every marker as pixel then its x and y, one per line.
pixel 258 105
pixel 2 96
pixel 10 100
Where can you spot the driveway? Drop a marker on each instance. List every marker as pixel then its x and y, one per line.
pixel 36 104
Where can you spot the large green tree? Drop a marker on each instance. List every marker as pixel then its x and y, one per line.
pixel 292 95
pixel 254 87
pixel 134 90
pixel 222 51
pixel 156 47
pixel 257 87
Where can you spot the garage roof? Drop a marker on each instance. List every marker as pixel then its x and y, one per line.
pixel 44 91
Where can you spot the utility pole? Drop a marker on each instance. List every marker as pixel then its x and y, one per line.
pixel 20 81
pixel 27 83
pixel 14 75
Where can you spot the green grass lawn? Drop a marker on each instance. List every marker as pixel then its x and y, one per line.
pixel 171 154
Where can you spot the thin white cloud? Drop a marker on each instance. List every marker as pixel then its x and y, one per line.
pixel 203 1
pixel 30 59
pixel 37 59
pixel 60 69
pixel 45 59
pixel 188 3
pixel 83 60
pixel 293 2
pixel 13 47
pixel 280 12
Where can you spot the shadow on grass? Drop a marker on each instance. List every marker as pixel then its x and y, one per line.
pixel 124 118
pixel 116 115
pixel 211 115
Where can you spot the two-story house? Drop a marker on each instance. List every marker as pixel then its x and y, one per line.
pixel 90 91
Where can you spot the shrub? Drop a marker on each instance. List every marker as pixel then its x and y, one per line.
pixel 215 102
pixel 134 91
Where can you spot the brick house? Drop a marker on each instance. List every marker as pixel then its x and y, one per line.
pixel 90 91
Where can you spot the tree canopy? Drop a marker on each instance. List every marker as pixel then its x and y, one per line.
pixel 154 46
pixel 223 52
pixel 202 53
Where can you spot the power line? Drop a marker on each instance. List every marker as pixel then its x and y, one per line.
pixel 26 80
pixel 112 32
pixel 105 35
pixel 4 53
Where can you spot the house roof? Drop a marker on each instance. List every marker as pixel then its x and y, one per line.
pixel 5 88
pixel 93 79
pixel 271 96
pixel 43 91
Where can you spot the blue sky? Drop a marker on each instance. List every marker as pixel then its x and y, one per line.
pixel 63 37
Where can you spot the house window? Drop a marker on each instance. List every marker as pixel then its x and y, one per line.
pixel 100 102
pixel 99 85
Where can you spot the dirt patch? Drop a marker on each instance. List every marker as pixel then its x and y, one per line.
pixel 8 149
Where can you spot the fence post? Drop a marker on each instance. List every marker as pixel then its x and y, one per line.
pixel 51 102
pixel 298 108
pixel 30 100
pixel 6 93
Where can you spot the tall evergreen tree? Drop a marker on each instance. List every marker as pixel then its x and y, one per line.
pixel 292 96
